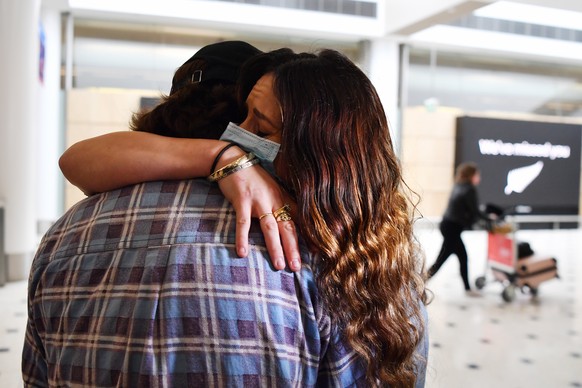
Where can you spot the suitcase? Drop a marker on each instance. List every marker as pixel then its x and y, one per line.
pixel 515 264
pixel 532 271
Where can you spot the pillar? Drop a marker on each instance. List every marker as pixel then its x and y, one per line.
pixel 19 44
pixel 382 64
pixel 48 128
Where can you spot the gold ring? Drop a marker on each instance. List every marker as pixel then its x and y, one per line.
pixel 264 215
pixel 283 209
pixel 283 216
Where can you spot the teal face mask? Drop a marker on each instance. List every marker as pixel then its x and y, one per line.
pixel 265 149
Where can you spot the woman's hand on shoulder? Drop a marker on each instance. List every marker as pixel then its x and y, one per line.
pixel 254 193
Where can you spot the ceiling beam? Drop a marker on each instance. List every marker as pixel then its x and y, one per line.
pixel 407 17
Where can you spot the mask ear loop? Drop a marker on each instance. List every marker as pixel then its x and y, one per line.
pixel 281 112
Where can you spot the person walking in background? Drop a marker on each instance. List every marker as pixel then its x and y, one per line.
pixel 461 213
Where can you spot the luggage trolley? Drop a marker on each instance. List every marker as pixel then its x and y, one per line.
pixel 515 269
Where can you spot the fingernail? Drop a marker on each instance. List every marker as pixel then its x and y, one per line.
pixel 295 264
pixel 242 252
pixel 280 264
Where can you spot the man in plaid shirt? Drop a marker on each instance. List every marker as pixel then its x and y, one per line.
pixel 142 286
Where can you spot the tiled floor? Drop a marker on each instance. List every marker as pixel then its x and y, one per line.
pixel 475 342
pixel 486 342
pixel 12 325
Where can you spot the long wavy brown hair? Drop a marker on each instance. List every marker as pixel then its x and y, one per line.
pixel 353 211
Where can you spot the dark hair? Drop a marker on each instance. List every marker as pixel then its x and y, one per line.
pixel 203 110
pixel 196 110
pixel 465 172
pixel 352 211
pixel 261 64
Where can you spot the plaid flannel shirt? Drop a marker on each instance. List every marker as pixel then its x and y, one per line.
pixel 142 287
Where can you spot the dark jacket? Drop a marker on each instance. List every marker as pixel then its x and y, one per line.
pixel 463 207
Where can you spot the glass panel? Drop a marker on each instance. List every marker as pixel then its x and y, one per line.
pixel 480 83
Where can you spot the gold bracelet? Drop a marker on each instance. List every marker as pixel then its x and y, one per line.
pixel 249 163
pixel 243 162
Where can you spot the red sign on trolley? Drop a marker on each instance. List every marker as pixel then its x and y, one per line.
pixel 501 250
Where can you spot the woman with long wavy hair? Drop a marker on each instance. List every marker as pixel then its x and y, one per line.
pixel 351 207
pixel 346 180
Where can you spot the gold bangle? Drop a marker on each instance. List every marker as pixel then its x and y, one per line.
pixel 242 166
pixel 244 161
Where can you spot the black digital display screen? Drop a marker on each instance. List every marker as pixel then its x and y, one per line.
pixel 527 167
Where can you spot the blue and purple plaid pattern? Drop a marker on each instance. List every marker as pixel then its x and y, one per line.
pixel 141 287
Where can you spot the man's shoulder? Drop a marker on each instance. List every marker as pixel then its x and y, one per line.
pixel 155 194
pixel 144 213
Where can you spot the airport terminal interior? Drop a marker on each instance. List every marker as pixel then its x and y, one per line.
pixel 498 83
